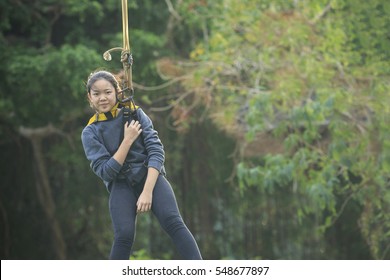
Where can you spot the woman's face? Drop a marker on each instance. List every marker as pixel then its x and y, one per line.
pixel 102 96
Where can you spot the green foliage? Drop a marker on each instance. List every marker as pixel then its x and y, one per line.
pixel 315 75
pixel 48 49
pixel 40 97
pixel 140 255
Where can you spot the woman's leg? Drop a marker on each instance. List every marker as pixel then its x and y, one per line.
pixel 123 215
pixel 164 207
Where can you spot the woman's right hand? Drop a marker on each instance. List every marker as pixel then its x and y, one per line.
pixel 131 131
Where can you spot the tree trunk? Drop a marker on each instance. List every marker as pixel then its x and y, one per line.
pixel 43 188
pixel 6 232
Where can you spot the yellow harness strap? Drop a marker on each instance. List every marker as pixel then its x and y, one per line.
pixel 100 117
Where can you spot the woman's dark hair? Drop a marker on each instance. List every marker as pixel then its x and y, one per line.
pixel 98 75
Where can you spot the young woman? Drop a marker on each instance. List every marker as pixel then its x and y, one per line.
pixel 129 158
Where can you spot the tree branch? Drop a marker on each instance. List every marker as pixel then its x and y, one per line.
pixel 322 14
pixel 40 132
pixel 172 10
pixel 162 86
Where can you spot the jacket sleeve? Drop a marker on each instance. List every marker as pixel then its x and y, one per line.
pixel 102 163
pixel 153 144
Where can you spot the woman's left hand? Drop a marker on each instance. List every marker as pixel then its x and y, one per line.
pixel 144 202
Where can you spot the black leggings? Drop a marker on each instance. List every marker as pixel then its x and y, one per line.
pixel 122 203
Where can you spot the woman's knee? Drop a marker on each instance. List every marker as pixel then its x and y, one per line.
pixel 172 224
pixel 124 233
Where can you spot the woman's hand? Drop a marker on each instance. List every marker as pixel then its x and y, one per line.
pixel 144 202
pixel 131 131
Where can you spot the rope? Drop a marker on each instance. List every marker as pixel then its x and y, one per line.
pixel 127 92
pixel 126 57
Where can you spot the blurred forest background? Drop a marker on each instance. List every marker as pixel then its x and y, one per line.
pixel 274 114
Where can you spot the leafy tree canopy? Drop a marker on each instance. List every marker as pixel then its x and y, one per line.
pixel 314 75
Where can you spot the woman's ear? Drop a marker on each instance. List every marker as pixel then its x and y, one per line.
pixel 89 100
